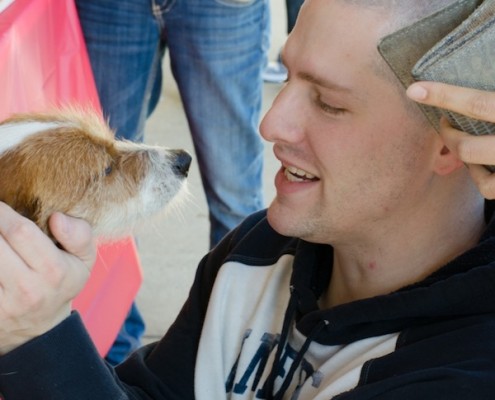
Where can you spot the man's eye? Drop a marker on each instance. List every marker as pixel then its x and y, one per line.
pixel 329 109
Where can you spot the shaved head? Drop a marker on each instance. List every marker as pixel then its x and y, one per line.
pixel 403 12
pixel 398 14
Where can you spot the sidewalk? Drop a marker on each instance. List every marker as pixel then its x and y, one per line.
pixel 171 246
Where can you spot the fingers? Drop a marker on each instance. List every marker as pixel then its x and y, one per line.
pixel 474 151
pixel 75 236
pixel 24 239
pixel 473 103
pixel 38 280
pixel 484 179
pixel 37 251
pixel 470 149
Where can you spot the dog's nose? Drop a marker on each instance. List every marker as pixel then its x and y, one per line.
pixel 181 162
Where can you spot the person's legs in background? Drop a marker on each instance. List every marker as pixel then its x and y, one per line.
pixel 218 49
pixel 275 71
pixel 122 39
pixel 293 7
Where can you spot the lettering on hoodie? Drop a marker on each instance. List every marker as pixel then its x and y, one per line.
pixel 250 378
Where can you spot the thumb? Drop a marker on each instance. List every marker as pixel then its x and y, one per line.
pixel 75 236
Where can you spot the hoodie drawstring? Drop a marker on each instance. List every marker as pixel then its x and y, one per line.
pixel 300 355
pixel 289 317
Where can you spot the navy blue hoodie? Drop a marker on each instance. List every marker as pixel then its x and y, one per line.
pixel 252 328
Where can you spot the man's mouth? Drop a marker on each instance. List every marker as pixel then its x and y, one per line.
pixel 294 174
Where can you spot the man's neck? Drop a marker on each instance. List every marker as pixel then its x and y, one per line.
pixel 408 254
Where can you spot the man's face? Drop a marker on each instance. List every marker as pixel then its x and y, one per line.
pixel 354 159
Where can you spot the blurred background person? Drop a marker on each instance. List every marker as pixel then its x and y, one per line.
pixel 275 71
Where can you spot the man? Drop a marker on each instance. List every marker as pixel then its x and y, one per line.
pixel 369 277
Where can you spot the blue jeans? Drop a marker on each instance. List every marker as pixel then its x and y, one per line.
pixel 293 7
pixel 217 51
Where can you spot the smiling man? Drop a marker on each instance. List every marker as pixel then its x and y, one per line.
pixel 370 276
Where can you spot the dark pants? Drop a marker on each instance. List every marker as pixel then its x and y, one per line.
pixel 293 7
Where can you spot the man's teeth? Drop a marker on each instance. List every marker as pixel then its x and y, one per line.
pixel 294 174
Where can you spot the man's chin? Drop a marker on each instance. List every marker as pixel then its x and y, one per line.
pixel 286 221
pixel 281 220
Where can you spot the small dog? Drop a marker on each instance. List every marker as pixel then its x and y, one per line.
pixel 69 161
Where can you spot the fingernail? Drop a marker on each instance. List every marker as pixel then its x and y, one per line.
pixel 417 92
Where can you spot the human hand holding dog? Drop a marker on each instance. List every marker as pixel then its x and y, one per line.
pixel 475 151
pixel 38 280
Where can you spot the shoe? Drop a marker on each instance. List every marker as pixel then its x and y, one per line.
pixel 275 72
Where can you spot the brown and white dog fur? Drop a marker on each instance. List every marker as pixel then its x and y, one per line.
pixel 69 161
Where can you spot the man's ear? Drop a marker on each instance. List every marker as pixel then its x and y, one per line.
pixel 446 160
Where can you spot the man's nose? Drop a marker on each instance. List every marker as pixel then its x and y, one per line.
pixel 283 121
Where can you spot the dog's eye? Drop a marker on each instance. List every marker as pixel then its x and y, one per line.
pixel 108 170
